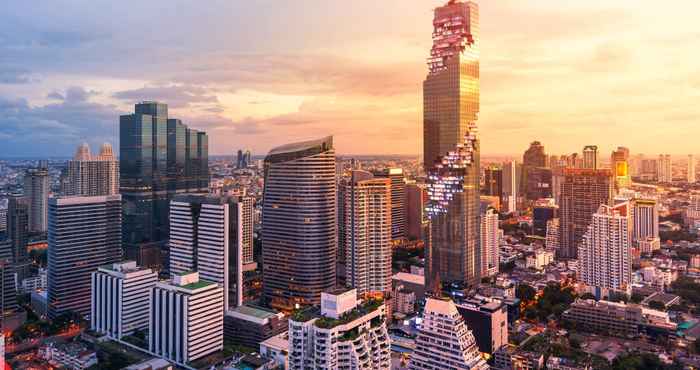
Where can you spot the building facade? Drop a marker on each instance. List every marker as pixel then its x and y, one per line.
pixel 368 232
pixel 36 189
pixel 619 163
pixel 590 157
pixel 451 146
pixel 664 173
pixel 512 174
pixel 120 298
pixel 18 233
pixel 490 243
pixel 84 233
pixel 299 223
pixel 186 320
pixel 398 201
pixel 88 175
pixel 582 193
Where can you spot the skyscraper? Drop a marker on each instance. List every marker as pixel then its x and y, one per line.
pixel 604 255
pixel 645 216
pixel 691 169
pixel 84 233
pixel 299 223
pixel 415 205
pixel 18 232
pixel 619 162
pixel 205 236
pixel 590 157
pixel 535 156
pixel 512 175
pixel 490 243
pixel 159 157
pixel 664 173
pixel 88 175
pixel 36 189
pixel 444 341
pixel 535 177
pixel 398 195
pixel 493 181
pixel 583 191
pixel 451 146
pixel 368 233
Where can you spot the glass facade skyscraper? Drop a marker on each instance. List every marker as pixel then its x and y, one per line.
pixel 159 157
pixel 451 146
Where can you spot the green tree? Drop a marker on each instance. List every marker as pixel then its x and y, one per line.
pixel 657 305
pixel 525 293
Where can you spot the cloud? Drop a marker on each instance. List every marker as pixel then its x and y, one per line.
pixel 177 96
pixel 13 75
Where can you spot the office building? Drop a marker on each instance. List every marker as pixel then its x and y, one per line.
pixel 416 196
pixel 590 157
pixel 398 201
pixel 120 299
pixel 88 175
pixel 327 340
pixel 645 215
pixel 490 243
pixel 8 292
pixel 543 210
pixel 18 232
pixel 488 321
pixel 582 193
pixel 691 169
pixel 205 236
pixel 619 163
pixel 244 159
pixel 538 183
pixel 299 223
pixel 249 325
pixel 159 157
pixel 36 189
pixel 664 173
pixel 493 181
pixel 605 252
pixel 368 232
pixel 3 221
pixel 84 234
pixel 186 320
pixel 512 174
pixel 535 156
pixel 444 341
pixel 451 146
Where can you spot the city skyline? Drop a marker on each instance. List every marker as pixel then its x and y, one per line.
pixel 581 68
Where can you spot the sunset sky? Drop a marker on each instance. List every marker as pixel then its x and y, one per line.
pixel 260 73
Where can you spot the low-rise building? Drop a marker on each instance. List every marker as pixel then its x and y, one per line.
pixel 70 355
pixel 345 334
pixel 560 363
pixel 404 300
pixel 250 325
pixel 277 349
pixel 616 319
pixel 539 259
pixel 509 357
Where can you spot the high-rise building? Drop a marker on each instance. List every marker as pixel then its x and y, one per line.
pixel 645 216
pixel 18 232
pixel 604 255
pixel 543 210
pixel 535 156
pixel 299 223
pixel 664 173
pixel 582 193
pixel 590 157
pixel 158 158
pixel 415 205
pixel 398 205
pixel 205 236
pixel 88 175
pixel 84 233
pixel 444 341
pixel 451 147
pixel 552 238
pixel 368 232
pixel 536 178
pixel 326 340
pixel 488 321
pixel 691 169
pixel 512 175
pixel 36 189
pixel 120 298
pixel 490 243
pixel 8 291
pixel 493 181
pixel 186 320
pixel 619 163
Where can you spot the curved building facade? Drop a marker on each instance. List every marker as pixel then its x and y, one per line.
pixel 299 223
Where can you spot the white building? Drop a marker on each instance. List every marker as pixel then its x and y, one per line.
pixel 69 355
pixel 552 238
pixel 444 341
pixel 604 255
pixel 511 176
pixel 346 334
pixel 120 298
pixel 187 318
pixel 37 282
pixel 664 173
pixel 368 232
pixel 490 243
pixel 89 175
pixel 204 237
pixel 277 349
pixel 539 259
pixel 645 215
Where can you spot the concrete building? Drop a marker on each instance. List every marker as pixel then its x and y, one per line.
pixel 88 175
pixel 616 319
pixel 345 334
pixel 398 200
pixel 512 173
pixel 645 215
pixel 277 349
pixel 490 243
pixel 249 325
pixel 488 321
pixel 664 173
pixel 368 232
pixel 444 341
pixel 590 157
pixel 416 196
pixel 552 238
pixel 605 253
pixel 84 234
pixel 36 189
pixel 120 298
pixel 619 163
pixel 187 318
pixel 18 233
